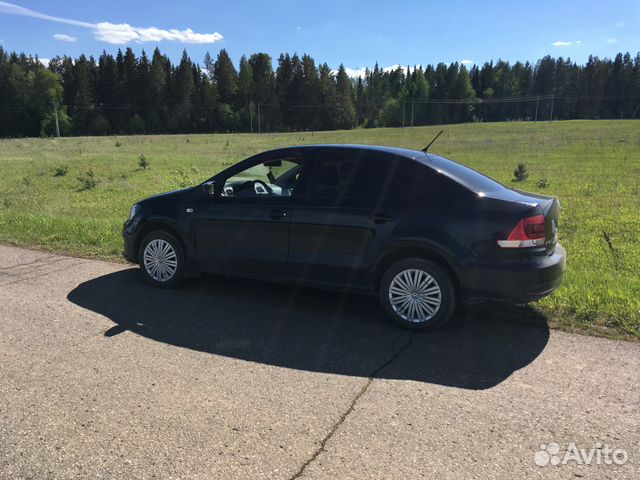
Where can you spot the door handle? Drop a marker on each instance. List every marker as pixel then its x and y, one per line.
pixel 380 218
pixel 278 214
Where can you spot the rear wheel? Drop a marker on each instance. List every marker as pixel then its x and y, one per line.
pixel 417 294
pixel 162 260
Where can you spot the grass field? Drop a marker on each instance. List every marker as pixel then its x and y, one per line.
pixel 592 166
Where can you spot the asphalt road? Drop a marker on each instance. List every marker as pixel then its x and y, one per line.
pixel 102 376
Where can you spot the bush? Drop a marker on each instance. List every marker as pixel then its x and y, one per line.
pixel 542 183
pixel 187 177
pixel 88 181
pixel 143 163
pixel 520 174
pixel 118 144
pixel 60 170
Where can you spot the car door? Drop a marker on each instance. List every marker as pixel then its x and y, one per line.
pixel 246 231
pixel 343 217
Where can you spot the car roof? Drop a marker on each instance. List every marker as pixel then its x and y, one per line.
pixel 401 152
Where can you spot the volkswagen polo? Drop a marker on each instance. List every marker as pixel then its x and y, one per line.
pixel 420 231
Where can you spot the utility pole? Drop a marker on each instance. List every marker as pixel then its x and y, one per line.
pixel 251 116
pixel 404 107
pixel 551 110
pixel 258 118
pixel 55 112
pixel 537 102
pixel 412 102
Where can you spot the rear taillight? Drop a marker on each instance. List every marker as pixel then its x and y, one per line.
pixel 529 232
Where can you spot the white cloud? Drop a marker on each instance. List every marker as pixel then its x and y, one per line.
pixel 401 67
pixel 620 24
pixel 355 72
pixel 612 40
pixel 63 37
pixel 360 71
pixel 393 67
pixel 578 42
pixel 466 62
pixel 119 33
pixel 561 44
pixel 12 9
pixel 44 61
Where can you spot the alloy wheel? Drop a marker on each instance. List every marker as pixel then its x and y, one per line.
pixel 415 295
pixel 160 260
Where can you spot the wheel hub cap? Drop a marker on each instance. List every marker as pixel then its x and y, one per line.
pixel 415 295
pixel 160 260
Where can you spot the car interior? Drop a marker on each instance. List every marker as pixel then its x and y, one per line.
pixel 275 178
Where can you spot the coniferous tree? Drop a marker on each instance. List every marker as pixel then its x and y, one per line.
pixel 129 94
pixel 209 65
pixel 310 105
pixel 284 81
pixel 82 111
pixel 264 93
pixel 184 92
pixel 244 103
pixel 345 110
pixel 327 99
pixel 225 77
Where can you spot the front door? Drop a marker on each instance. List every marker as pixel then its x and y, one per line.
pixel 244 228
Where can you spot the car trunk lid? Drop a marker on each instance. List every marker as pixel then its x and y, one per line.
pixel 546 205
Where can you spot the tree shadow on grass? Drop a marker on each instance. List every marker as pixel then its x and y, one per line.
pixel 317 331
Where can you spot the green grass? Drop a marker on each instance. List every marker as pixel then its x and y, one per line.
pixel 592 166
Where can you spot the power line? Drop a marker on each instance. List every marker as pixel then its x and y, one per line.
pixel 443 101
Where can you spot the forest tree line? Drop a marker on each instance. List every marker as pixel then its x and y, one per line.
pixel 126 94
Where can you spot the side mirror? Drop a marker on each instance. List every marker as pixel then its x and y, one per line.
pixel 209 188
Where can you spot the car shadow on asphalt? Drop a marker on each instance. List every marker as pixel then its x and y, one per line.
pixel 317 331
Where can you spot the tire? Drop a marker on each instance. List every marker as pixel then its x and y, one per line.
pixel 418 309
pixel 170 272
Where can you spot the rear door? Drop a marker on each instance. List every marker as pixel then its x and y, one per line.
pixel 343 217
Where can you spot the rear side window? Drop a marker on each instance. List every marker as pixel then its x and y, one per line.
pixel 366 175
pixel 354 175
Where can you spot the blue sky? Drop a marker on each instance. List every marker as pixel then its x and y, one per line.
pixel 357 34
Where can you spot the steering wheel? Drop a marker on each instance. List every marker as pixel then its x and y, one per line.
pixel 266 189
pixel 258 187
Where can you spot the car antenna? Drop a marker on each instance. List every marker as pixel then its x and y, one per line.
pixel 431 142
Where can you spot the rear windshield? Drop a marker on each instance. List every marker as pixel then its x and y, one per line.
pixel 468 177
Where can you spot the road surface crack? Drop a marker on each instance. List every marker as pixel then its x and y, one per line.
pixel 397 351
pixel 34 262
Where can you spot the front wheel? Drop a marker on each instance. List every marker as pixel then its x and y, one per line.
pixel 162 260
pixel 417 294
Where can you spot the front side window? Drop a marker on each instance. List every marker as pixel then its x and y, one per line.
pixel 272 178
